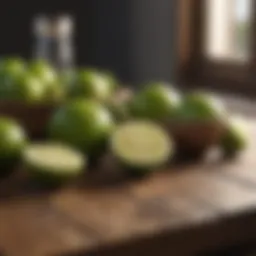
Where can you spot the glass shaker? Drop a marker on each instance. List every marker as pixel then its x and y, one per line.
pixel 54 40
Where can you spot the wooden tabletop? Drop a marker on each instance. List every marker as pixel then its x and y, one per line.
pixel 184 210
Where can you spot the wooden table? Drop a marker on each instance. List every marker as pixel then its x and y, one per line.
pixel 186 210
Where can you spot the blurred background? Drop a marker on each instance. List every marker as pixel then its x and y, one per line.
pixel 135 39
pixel 140 40
pixel 176 41
pixel 217 44
pixel 228 29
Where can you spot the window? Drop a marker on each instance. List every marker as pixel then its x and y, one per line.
pixel 227 29
pixel 217 44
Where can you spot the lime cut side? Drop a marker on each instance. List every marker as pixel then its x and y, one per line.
pixel 56 160
pixel 141 144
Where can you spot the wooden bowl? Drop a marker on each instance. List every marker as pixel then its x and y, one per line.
pixel 34 118
pixel 194 139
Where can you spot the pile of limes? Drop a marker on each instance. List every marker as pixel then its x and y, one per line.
pixel 90 119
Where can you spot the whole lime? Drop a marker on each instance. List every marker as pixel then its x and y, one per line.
pixel 84 124
pixel 27 88
pixel 157 101
pixel 199 106
pixel 43 70
pixel 235 139
pixel 55 92
pixel 10 69
pixel 13 65
pixel 12 141
pixel 53 86
pixel 92 84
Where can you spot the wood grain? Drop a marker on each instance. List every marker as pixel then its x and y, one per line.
pixel 31 228
pixel 192 207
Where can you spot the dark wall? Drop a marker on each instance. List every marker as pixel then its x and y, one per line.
pixel 134 38
pixel 16 25
pixel 13 30
pixel 111 36
pixel 153 39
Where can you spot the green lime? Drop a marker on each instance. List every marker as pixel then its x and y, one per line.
pixel 91 84
pixel 12 142
pixel 54 87
pixel 141 146
pixel 55 92
pixel 10 69
pixel 13 65
pixel 84 124
pixel 44 71
pixel 53 163
pixel 157 101
pixel 27 88
pixel 235 138
pixel 199 106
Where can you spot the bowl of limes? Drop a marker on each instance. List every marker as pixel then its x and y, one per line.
pixel 198 124
pixel 29 91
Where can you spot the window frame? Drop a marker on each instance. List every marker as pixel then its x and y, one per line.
pixel 196 70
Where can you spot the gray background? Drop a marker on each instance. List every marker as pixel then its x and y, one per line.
pixel 134 38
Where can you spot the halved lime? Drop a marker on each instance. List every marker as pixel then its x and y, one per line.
pixel 141 145
pixel 53 162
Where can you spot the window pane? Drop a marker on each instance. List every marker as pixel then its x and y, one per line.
pixel 227 30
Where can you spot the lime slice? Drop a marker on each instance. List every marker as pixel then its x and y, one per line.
pixel 53 162
pixel 142 145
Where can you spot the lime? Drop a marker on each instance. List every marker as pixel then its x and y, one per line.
pixel 10 69
pixel 157 101
pixel 91 84
pixel 44 71
pixel 27 89
pixel 13 65
pixel 53 85
pixel 12 141
pixel 53 163
pixel 235 138
pixel 55 92
pixel 199 106
pixel 142 146
pixel 84 124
